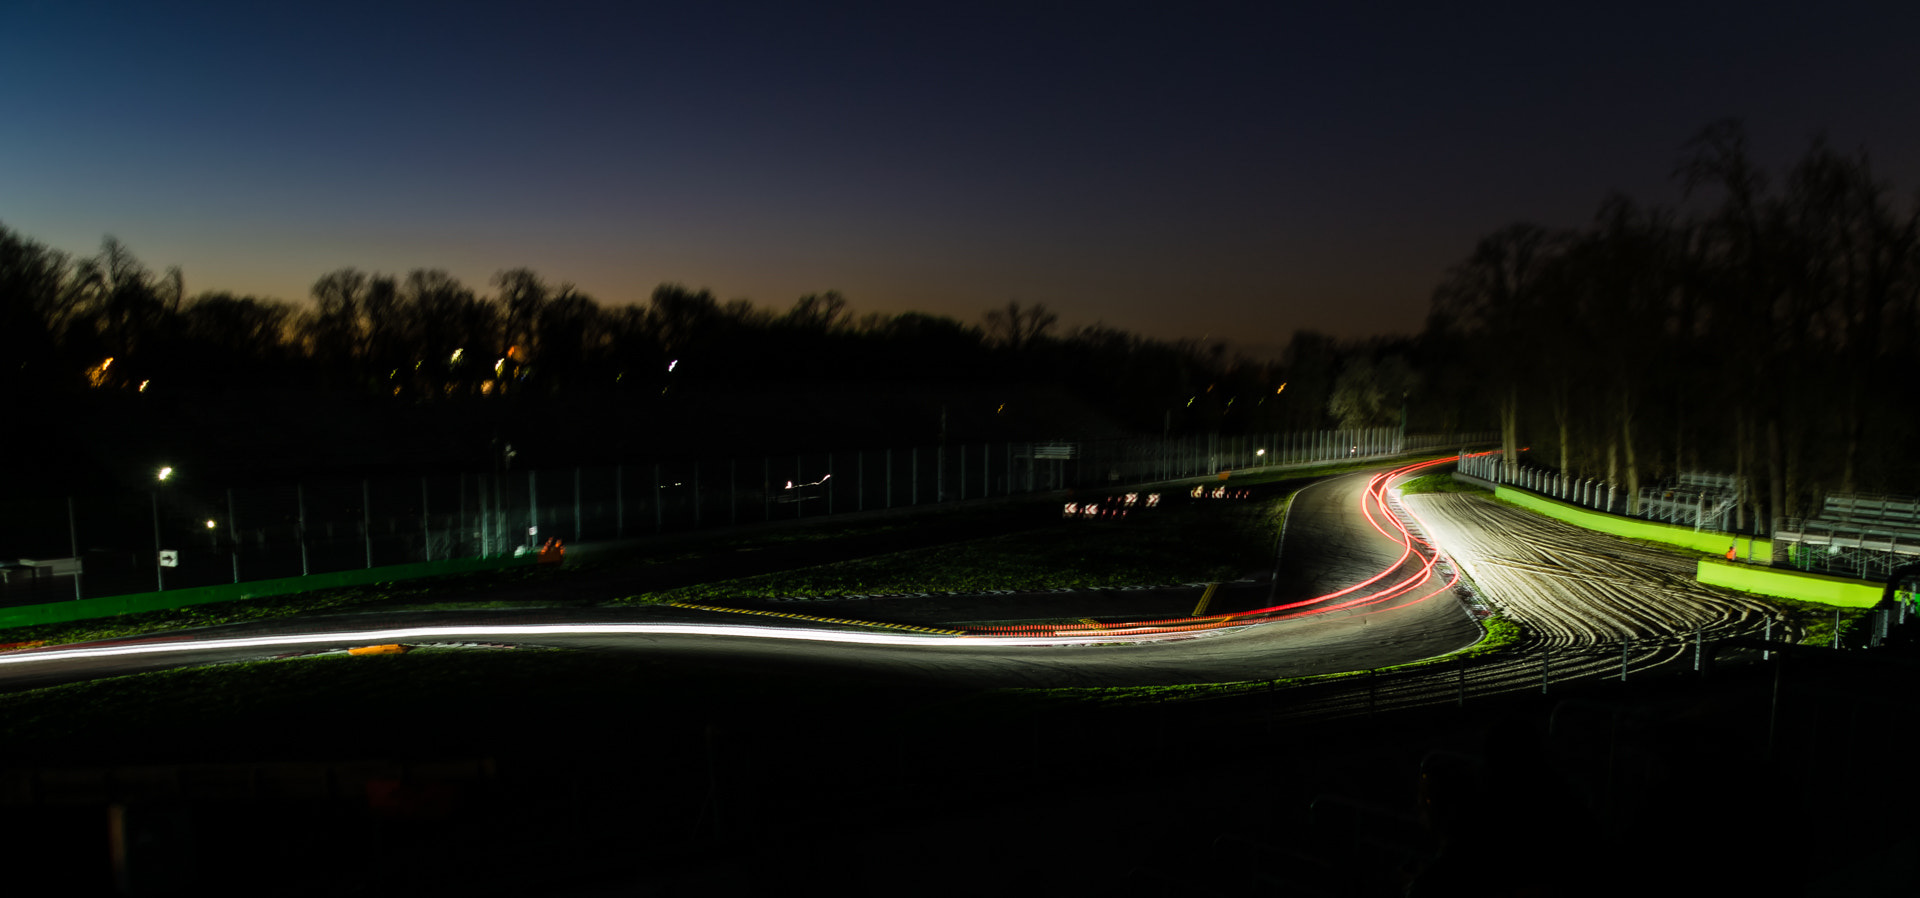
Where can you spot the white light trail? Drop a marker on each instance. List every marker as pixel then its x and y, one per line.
pixel 370 637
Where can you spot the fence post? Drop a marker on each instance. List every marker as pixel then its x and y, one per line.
pixel 576 503
pixel 426 528
pixel 913 476
pixel 694 484
pixel 486 527
pixel 366 518
pixel 860 480
pixel 829 483
pixel 300 524
pixel 533 508
pixel 1546 663
pixel 159 572
pixel 233 536
pixel 73 537
pixel 888 479
pixel 1625 644
pixel 963 473
pixel 1461 702
pixel 733 491
pixel 619 501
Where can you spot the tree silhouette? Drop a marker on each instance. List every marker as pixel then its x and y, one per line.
pixel 1017 328
pixel 1495 297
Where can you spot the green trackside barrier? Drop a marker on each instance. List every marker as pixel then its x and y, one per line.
pixel 1710 541
pixel 135 603
pixel 1791 584
pixel 1759 578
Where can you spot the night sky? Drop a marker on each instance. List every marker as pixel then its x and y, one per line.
pixel 1232 172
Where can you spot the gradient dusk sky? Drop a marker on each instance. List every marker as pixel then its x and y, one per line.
pixel 1177 170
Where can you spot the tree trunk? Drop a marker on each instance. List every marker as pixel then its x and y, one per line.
pixel 1613 465
pixel 1776 482
pixel 1851 427
pixel 1679 432
pixel 1561 413
pixel 1626 443
pixel 1510 431
pixel 1740 470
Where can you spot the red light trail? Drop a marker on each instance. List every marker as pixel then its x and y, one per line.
pixel 1375 506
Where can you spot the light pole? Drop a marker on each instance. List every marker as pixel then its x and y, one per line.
pixel 159 566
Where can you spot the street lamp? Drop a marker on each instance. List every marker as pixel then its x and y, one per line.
pixel 159 554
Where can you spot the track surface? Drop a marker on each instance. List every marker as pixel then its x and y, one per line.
pixel 1331 548
pixel 1350 591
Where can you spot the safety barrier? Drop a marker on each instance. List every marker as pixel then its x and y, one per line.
pixel 1791 584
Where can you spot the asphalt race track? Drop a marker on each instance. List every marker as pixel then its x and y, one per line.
pixel 1350 592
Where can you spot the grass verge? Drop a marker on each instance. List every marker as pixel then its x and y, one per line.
pixel 1440 483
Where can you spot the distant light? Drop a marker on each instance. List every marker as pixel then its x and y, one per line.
pixel 671 364
pixel 457 354
pixel 1259 452
pixel 393 374
pixel 1190 402
pixel 166 473
pixel 97 375
pixel 499 366
pixel 143 385
pixel 209 523
pixel 1283 389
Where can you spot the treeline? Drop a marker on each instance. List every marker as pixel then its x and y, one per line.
pixel 1766 331
pixel 442 367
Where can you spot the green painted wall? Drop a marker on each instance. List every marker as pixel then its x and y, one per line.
pixel 1703 541
pixel 1757 578
pixel 108 606
pixel 1790 584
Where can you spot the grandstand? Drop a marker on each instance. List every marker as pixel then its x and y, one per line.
pixel 1868 537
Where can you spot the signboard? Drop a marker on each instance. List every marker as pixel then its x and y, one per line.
pixel 169 558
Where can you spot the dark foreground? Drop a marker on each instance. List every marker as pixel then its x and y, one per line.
pixel 1669 786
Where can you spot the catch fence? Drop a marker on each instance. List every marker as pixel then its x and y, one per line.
pixel 185 532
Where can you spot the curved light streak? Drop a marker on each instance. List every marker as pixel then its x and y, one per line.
pixel 1042 634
